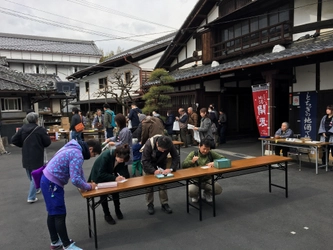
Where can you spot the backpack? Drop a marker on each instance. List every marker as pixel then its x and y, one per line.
pixel 151 139
pixel 210 157
pixel 110 112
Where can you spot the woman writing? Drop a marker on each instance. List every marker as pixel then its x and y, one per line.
pixel 110 166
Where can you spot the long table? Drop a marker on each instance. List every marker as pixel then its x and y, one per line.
pixel 297 144
pixel 136 186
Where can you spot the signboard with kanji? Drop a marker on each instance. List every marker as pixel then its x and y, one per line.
pixel 260 103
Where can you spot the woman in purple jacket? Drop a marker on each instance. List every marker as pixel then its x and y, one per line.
pixel 66 164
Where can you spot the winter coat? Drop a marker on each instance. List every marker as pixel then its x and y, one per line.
pixel 104 169
pixel 193 119
pixel 152 158
pixel 151 126
pixel 169 123
pixel 33 146
pixel 134 117
pixel 76 119
pixel 67 164
pixel 205 129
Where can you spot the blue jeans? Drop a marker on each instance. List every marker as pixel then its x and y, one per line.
pixel 32 188
pixel 76 135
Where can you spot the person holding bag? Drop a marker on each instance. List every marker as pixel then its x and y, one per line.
pixel 76 125
pixel 205 129
pixel 33 139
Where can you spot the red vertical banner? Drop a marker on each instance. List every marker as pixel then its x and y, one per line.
pixel 260 103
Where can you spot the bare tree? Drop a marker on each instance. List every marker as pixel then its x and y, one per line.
pixel 120 87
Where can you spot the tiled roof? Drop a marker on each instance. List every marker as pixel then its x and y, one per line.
pixel 301 48
pixel 143 47
pixel 11 80
pixel 47 44
pixel 142 51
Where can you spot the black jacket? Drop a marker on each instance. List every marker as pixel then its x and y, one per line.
pixel 76 119
pixel 150 160
pixel 33 147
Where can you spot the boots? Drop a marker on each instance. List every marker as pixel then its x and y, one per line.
pixel 117 209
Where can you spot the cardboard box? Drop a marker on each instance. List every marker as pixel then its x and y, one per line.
pixel 64 120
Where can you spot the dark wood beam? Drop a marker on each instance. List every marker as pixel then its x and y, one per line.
pixel 314 26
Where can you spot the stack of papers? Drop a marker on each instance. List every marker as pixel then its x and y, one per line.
pixel 160 176
pixel 110 184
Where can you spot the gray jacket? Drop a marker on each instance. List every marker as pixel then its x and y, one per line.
pixel 205 129
pixel 287 134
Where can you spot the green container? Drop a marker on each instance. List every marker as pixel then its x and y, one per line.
pixel 222 163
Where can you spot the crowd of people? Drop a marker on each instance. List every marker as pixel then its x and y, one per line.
pixel 145 145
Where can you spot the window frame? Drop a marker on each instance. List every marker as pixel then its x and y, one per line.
pixel 4 104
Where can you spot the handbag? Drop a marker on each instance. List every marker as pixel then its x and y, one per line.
pixel 79 127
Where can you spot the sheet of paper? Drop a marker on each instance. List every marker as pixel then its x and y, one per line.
pixel 122 181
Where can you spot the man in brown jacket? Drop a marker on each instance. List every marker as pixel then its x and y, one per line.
pixel 193 120
pixel 151 126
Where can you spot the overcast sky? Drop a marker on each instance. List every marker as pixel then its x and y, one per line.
pixel 102 21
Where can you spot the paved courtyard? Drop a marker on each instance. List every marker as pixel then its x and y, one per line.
pixel 248 216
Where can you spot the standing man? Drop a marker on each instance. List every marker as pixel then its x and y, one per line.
pixel 154 160
pixel 76 119
pixel 98 121
pixel 109 122
pixel 33 139
pixel 183 119
pixel 134 116
pixel 193 120
pixel 283 132
pixel 203 157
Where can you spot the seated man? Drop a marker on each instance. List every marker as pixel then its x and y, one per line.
pixel 154 160
pixel 203 157
pixel 282 133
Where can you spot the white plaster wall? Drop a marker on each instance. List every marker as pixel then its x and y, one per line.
pixel 5 53
pixel 306 78
pixel 26 55
pixel 213 14
pixel 212 86
pixel 149 63
pixel 182 54
pixel 37 56
pixel 50 69
pixel 190 47
pixel 63 72
pixel 326 76
pixel 94 82
pixel 327 12
pixel 305 12
pixel 174 62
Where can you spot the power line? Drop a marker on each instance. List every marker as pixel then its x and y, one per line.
pixel 82 22
pixel 62 25
pixel 116 12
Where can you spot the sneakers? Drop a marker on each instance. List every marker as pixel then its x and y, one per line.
pixel 208 197
pixel 32 201
pixel 151 209
pixel 166 208
pixel 108 219
pixel 5 153
pixel 72 247
pixel 57 245
pixel 38 191
pixel 195 199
